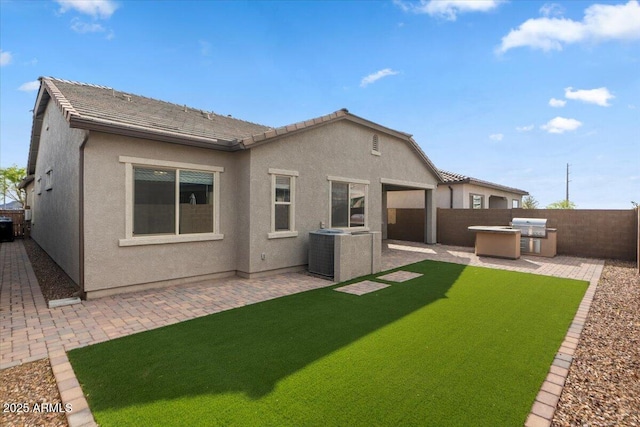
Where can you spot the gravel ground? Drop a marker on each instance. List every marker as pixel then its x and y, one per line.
pixel 603 386
pixel 54 283
pixel 26 386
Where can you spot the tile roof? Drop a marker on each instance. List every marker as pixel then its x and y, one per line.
pixel 87 105
pixel 456 178
pixel 101 108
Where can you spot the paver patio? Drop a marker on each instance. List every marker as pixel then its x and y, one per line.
pixel 29 330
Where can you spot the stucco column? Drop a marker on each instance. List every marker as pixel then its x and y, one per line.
pixel 384 214
pixel 430 213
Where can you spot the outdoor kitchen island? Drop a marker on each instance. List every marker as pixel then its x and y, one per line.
pixel 497 241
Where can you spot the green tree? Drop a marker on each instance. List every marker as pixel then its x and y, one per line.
pixel 529 202
pixel 562 204
pixel 10 178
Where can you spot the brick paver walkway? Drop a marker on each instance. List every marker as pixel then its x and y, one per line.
pixel 29 330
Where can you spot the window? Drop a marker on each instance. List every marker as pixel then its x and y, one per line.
pixel 170 202
pixel 348 203
pixel 283 196
pixel 39 185
pixel 155 193
pixel 477 201
pixel 515 204
pixel 48 180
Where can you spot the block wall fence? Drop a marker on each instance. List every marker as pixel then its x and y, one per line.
pixel 591 233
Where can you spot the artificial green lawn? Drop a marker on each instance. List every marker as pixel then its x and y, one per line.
pixel 459 346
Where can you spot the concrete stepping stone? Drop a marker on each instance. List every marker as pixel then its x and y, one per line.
pixel 361 288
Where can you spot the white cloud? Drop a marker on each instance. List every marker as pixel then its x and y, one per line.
pixel 83 27
pixel 448 9
pixel 600 96
pixel 496 136
pixel 30 86
pixel 561 125
pixel 371 78
pixel 527 128
pixel 5 58
pixel 96 8
pixel 601 22
pixel 557 103
pixel 551 9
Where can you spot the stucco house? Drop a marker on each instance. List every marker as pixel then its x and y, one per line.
pixel 405 209
pixel 463 192
pixel 128 192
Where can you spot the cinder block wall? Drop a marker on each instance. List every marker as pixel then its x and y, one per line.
pixel 405 224
pixel 611 234
pixel 453 223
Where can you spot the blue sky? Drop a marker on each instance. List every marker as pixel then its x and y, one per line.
pixel 505 91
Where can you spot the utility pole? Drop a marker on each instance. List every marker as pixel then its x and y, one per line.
pixel 567 197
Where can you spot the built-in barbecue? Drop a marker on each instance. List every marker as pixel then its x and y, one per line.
pixel 524 236
pixel 535 237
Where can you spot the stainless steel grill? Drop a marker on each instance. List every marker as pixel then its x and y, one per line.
pixel 531 227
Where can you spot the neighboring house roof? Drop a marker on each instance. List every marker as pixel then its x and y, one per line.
pixel 101 108
pixel 456 178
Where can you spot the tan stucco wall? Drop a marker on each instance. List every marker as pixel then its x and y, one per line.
pixel 356 255
pixel 108 265
pixel 410 199
pixel 55 224
pixel 340 149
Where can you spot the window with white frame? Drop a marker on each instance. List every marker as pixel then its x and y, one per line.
pixel 174 201
pixel 283 197
pixel 39 185
pixel 477 201
pixel 170 202
pixel 515 203
pixel 348 203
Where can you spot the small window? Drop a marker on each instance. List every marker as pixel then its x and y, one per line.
pixel 477 201
pixel 282 203
pixel 515 204
pixel 39 185
pixel 348 204
pixel 48 180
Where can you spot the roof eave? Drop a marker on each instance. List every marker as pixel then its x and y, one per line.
pixel 36 129
pixel 107 126
pixel 26 181
pixel 491 185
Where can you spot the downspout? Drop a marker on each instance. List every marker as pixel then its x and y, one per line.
pixel 81 214
pixel 450 197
